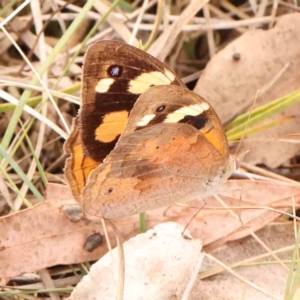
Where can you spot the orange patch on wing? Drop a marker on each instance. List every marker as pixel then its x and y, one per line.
pixel 78 158
pixel 214 138
pixel 82 166
pixel 88 166
pixel 112 126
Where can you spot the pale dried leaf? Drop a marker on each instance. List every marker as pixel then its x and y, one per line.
pixel 271 277
pixel 156 267
pixel 45 235
pixel 231 85
pixel 214 223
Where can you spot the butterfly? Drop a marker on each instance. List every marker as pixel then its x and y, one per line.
pixel 141 139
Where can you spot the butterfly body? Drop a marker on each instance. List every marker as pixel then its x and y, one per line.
pixel 168 144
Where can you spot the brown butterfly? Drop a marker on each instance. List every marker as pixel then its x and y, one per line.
pixel 141 140
pixel 114 75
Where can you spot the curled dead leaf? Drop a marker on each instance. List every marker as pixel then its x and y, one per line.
pixel 269 61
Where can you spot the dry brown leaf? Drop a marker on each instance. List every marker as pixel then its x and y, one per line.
pixel 215 226
pixel 44 236
pixel 271 277
pixel 262 195
pixel 231 85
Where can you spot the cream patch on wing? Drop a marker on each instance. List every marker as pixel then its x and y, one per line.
pixel 191 110
pixel 170 75
pixel 145 120
pixel 104 84
pixel 141 83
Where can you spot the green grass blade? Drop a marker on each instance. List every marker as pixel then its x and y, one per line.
pixel 14 187
pixel 23 176
pixel 34 101
pixel 293 279
pixel 256 129
pixel 37 161
pixel 56 50
pixel 88 36
pixel 8 7
pixel 143 224
pixel 262 113
pixel 290 99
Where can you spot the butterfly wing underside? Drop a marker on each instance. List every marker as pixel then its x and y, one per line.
pixel 179 154
pixel 114 75
pixel 156 166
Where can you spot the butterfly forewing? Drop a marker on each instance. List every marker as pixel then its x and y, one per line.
pixel 114 75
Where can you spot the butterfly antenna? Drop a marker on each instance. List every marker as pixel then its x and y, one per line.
pixel 262 91
pixel 193 217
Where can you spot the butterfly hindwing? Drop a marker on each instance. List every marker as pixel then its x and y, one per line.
pixel 174 158
pixel 78 166
pixel 174 104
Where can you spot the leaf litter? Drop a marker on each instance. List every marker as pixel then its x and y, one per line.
pixel 53 233
pixel 273 52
